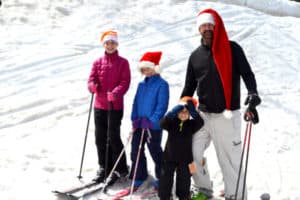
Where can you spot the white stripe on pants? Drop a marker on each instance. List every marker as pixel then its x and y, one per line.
pixel 225 133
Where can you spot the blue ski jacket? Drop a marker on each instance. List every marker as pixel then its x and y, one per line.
pixel 151 100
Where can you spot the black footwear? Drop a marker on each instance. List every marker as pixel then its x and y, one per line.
pixel 100 176
pixel 113 178
pixel 185 198
pixel 124 174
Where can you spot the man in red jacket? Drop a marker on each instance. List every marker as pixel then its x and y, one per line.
pixel 109 80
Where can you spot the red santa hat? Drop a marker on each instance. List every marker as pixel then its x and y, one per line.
pixel 109 35
pixel 205 18
pixel 221 53
pixel 150 60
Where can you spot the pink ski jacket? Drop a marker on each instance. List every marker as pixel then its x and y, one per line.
pixel 110 73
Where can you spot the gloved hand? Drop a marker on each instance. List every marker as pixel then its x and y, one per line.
pixel 192 109
pixel 251 113
pixel 92 87
pixel 173 113
pixel 146 123
pixel 111 96
pixel 253 100
pixel 136 123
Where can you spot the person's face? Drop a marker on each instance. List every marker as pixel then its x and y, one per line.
pixel 148 71
pixel 184 114
pixel 207 31
pixel 110 46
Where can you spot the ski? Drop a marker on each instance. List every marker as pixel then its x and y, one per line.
pixel 74 188
pixel 147 194
pixel 87 191
pixel 119 195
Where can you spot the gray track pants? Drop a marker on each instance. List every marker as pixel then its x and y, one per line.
pixel 225 134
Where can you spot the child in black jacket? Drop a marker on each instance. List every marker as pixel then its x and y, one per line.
pixel 178 154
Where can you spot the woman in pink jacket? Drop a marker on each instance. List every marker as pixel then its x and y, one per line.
pixel 109 80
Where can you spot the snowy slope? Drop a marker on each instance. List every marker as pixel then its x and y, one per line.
pixel 46 51
pixel 273 7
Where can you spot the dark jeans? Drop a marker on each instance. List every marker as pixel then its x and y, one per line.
pixel 183 180
pixel 154 147
pixel 113 139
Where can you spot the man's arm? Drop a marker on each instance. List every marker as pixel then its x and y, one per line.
pixel 244 68
pixel 190 81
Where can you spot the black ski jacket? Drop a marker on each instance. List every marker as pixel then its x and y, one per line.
pixel 202 74
pixel 179 142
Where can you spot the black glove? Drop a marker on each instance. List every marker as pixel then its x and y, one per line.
pixel 192 109
pixel 253 100
pixel 173 113
pixel 251 113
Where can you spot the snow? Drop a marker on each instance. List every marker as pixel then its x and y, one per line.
pixel 46 51
pixel 273 7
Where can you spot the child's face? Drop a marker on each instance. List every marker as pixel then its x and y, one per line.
pixel 110 46
pixel 184 114
pixel 148 71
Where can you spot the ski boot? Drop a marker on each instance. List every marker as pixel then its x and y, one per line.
pixel 201 194
pixel 100 176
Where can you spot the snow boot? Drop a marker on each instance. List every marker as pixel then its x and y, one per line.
pixel 200 196
pixel 184 198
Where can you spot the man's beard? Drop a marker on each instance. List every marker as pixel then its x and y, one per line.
pixel 207 37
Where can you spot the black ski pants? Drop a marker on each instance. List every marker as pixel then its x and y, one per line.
pixel 183 180
pixel 113 139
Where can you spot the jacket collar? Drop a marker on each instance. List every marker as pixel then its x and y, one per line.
pixel 204 46
pixel 112 56
pixel 151 78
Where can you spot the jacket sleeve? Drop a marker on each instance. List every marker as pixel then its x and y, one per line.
pixel 197 123
pixel 162 102
pixel 134 114
pixel 165 123
pixel 190 81
pixel 93 78
pixel 244 68
pixel 123 86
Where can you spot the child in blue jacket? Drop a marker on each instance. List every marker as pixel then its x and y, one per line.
pixel 150 104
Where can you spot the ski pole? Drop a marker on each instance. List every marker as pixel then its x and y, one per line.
pixel 241 161
pixel 108 137
pixel 86 134
pixel 137 162
pixel 247 158
pixel 118 160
